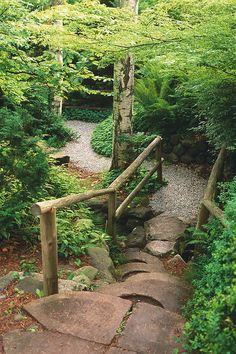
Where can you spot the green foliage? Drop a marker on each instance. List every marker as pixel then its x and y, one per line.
pixel 28 266
pixel 211 322
pixel 102 138
pixel 86 115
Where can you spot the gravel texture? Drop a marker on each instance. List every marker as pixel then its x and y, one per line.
pixel 181 197
pixel 80 150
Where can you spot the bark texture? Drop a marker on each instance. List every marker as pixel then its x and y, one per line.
pixel 56 101
pixel 123 103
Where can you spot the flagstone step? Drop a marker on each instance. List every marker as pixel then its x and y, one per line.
pixel 86 315
pixel 156 277
pixel 166 294
pixel 126 270
pixel 143 257
pixel 151 329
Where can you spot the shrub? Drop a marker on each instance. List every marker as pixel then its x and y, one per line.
pixel 86 115
pixel 102 138
pixel 211 313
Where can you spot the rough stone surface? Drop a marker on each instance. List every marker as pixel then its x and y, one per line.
pixel 6 280
pixel 126 270
pixel 160 248
pixel 100 259
pixel 90 316
pixel 88 271
pixel 156 277
pixel 153 291
pixel 164 228
pixel 141 212
pixel 60 158
pixel 176 261
pixel 156 336
pixel 115 350
pixel 30 284
pixel 48 343
pixel 137 238
pixel 82 282
pixel 143 257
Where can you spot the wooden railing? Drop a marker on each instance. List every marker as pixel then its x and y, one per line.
pixel 47 211
pixel 208 206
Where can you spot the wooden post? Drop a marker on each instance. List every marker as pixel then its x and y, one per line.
pixel 48 232
pixel 111 224
pixel 158 153
pixel 203 217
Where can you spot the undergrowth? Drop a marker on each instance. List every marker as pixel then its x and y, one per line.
pixel 211 312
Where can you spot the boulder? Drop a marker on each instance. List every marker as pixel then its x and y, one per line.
pixel 141 212
pixel 88 271
pixel 178 150
pixel 173 157
pixel 101 260
pixel 176 261
pixel 160 248
pixel 164 228
pixel 6 280
pixel 186 158
pixel 175 139
pixel 137 238
pixel 60 158
pixel 132 223
pixel 31 283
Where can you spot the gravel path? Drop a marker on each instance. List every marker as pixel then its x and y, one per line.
pixel 80 151
pixel 183 193
pixel 180 198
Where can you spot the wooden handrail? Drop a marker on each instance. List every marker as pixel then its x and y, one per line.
pixel 207 204
pixel 47 211
pixel 43 207
pixel 124 176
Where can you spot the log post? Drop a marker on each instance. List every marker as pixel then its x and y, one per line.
pixel 158 153
pixel 111 224
pixel 48 232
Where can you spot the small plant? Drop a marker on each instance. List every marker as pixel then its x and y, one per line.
pixel 28 267
pixel 39 293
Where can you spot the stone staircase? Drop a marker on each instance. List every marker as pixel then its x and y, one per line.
pixel 139 314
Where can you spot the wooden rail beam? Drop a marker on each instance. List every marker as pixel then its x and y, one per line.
pixel 48 233
pixel 43 207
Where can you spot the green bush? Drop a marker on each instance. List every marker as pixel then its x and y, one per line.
pixel 211 313
pixel 86 115
pixel 102 138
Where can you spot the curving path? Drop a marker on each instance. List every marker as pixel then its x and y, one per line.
pixel 80 150
pixel 180 198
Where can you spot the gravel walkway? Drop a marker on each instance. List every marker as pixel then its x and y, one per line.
pixel 80 151
pixel 180 198
pixel 183 193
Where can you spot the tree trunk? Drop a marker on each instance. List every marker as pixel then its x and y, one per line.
pixel 123 104
pixel 56 101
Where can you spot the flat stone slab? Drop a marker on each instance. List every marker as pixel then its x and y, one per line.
pixel 164 228
pixel 165 277
pixel 126 270
pixel 151 329
pixel 160 248
pixel 144 257
pixel 48 343
pixel 115 350
pixel 152 291
pixel 90 316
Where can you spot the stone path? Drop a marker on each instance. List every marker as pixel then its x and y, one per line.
pixel 140 314
pixel 80 150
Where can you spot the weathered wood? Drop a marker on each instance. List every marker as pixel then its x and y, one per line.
pixel 111 223
pixel 214 210
pixel 133 194
pixel 210 192
pixel 48 232
pixel 120 180
pixel 158 154
pixel 214 176
pixel 43 207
